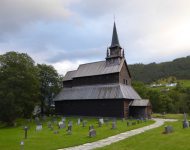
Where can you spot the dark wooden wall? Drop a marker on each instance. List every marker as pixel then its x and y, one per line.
pixel 124 74
pixel 67 83
pixel 93 80
pixel 138 111
pixel 98 108
pixel 126 108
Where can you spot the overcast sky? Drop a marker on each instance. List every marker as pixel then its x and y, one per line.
pixel 66 33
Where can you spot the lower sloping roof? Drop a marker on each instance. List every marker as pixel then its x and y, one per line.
pixel 141 102
pixel 111 91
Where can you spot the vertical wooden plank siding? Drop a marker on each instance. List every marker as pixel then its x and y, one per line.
pixel 126 108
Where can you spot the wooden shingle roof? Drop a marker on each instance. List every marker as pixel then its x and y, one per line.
pixel 111 91
pixel 141 102
pixel 91 69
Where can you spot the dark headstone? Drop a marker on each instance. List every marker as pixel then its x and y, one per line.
pixel 69 127
pixel 169 129
pixel 134 123
pixel 56 132
pixel 128 123
pixel 84 124
pixel 80 120
pixel 138 121
pixel 51 128
pixel 100 124
pixel 91 127
pixel 25 128
pixel 105 120
pixel 69 132
pixel 62 126
pixel 107 123
pixel 49 125
pixel 22 124
pixel 141 120
pixel 92 133
pixel 113 125
pixel 38 123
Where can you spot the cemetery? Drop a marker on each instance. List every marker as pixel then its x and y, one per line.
pixel 49 136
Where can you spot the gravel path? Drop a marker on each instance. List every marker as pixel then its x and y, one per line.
pixel 118 137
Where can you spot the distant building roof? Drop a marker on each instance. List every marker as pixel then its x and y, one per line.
pixel 111 91
pixel 141 102
pixel 95 68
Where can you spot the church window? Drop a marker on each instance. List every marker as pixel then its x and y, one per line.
pixel 123 81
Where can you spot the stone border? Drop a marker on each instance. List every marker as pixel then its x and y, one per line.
pixel 118 137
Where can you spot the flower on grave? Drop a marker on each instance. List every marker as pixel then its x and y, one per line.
pixel 57 124
pixel 97 123
pixel 164 132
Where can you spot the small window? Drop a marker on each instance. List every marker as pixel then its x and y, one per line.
pixel 126 82
pixel 123 81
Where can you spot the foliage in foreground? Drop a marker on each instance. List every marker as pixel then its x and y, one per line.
pixel 10 136
pixel 154 139
pixel 19 86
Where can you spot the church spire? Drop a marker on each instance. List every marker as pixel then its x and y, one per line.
pixel 115 40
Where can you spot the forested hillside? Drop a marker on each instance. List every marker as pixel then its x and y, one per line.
pixel 180 68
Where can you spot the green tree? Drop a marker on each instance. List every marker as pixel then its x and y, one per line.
pixel 19 86
pixel 50 85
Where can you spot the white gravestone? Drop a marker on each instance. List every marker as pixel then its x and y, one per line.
pixel 39 127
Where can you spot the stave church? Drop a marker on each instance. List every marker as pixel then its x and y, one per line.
pixel 102 89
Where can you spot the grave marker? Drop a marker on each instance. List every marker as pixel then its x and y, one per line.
pixel 15 124
pixel 131 118
pixel 134 123
pixel 123 119
pixel 138 121
pixel 84 123
pixel 101 120
pixel 128 123
pixel 169 129
pixel 78 122
pixel 69 127
pixel 91 127
pixel 107 123
pixel 69 132
pixel 185 122
pixel 55 122
pixel 60 123
pixel 62 126
pixel 92 133
pixel 56 132
pixel 22 124
pixel 100 124
pixel 38 127
pixel 141 120
pixel 113 125
pixel 51 128
pixel 63 119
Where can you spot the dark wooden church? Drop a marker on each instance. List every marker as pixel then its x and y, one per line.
pixel 102 89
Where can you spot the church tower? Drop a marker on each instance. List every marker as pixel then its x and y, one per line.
pixel 114 57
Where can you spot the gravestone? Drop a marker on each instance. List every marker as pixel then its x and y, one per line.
pixel 84 123
pixel 114 120
pixel 92 133
pixel 39 127
pixel 141 120
pixel 138 121
pixel 15 124
pixel 55 122
pixel 62 126
pixel 113 125
pixel 51 128
pixel 185 122
pixel 69 132
pixel 56 132
pixel 169 129
pixel 31 120
pixel 50 119
pixel 49 125
pixel 150 116
pixel 131 118
pixel 69 127
pixel 100 124
pixel 38 123
pixel 134 123
pixel 78 122
pixel 163 113
pixel 105 120
pixel 91 127
pixel 71 123
pixel 25 128
pixel 146 119
pixel 44 119
pixel 101 120
pixel 28 120
pixel 60 123
pixel 54 119
pixel 123 119
pixel 38 120
pixel 63 119
pixel 107 123
pixel 22 124
pixel 41 119
pixel 128 123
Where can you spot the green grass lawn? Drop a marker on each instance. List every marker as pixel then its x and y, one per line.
pixel 171 116
pixel 154 139
pixel 10 137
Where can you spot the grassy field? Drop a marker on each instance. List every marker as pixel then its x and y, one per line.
pixel 155 140
pixel 171 116
pixel 10 137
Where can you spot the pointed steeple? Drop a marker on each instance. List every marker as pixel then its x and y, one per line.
pixel 115 40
